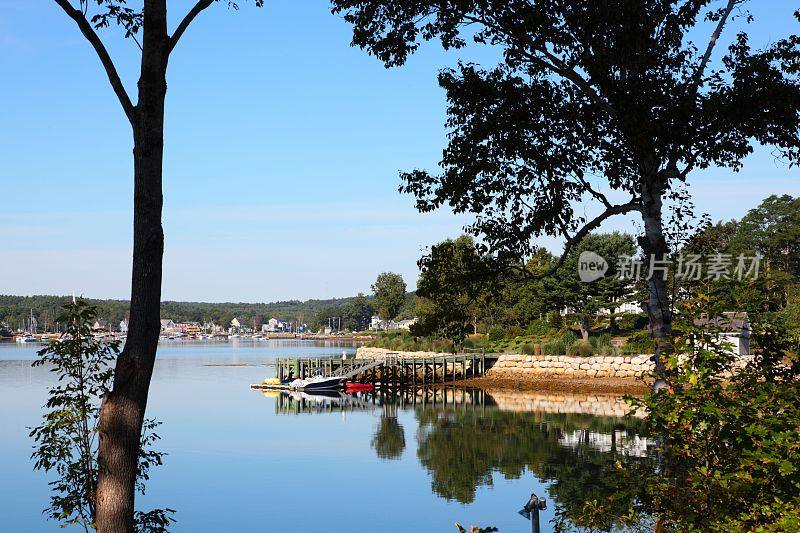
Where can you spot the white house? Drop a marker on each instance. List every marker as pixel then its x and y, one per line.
pixel 376 323
pixel 274 325
pixel 406 324
pixel 730 327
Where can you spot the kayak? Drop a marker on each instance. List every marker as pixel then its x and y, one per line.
pixel 356 387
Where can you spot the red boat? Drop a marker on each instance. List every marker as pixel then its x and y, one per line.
pixel 357 387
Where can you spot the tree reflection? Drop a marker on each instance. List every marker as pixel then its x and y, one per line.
pixel 390 439
pixel 462 450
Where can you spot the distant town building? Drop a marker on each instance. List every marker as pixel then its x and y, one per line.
pixel 100 325
pixel 376 323
pixel 275 325
pixel 123 326
pixel 189 328
pixel 239 326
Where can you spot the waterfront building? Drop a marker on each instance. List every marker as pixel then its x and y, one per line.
pixel 189 328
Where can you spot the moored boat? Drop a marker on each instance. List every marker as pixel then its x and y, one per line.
pixel 317 383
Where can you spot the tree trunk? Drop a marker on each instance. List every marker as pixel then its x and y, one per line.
pixel 585 326
pixel 122 410
pixel 655 245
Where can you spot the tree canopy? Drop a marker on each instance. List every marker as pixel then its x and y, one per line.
pixel 607 293
pixel 454 281
pixel 390 294
pixel 586 99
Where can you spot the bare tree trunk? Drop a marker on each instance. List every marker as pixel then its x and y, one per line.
pixel 585 326
pixel 655 245
pixel 122 411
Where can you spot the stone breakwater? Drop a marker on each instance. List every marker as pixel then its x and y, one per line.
pixel 566 366
pixel 567 403
pixel 365 352
pixel 562 366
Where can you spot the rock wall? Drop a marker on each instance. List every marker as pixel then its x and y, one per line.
pixel 566 366
pixel 365 352
pixel 601 366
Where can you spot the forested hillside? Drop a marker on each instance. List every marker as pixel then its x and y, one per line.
pixel 16 310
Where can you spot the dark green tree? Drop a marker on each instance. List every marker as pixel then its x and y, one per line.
pixel 390 294
pixel 587 97
pixel 588 299
pixel 67 441
pixel 356 314
pixel 454 281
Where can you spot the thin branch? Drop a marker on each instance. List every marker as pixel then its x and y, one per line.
pixel 633 205
pixel 597 194
pixel 190 16
pixel 564 70
pixel 713 42
pixel 105 59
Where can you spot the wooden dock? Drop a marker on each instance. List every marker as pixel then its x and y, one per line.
pixel 393 372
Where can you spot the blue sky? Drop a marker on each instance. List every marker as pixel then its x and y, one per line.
pixel 283 146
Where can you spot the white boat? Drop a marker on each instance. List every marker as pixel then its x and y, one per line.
pixel 317 383
pixel 26 338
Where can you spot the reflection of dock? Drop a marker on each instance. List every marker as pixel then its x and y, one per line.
pixel 332 402
pixel 453 398
pixel 390 372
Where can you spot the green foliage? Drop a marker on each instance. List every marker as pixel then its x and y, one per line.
pixel 568 337
pixel 581 348
pixel 529 348
pixel 453 283
pixel 606 293
pixel 66 441
pixel 497 333
pixel 731 460
pixel 638 343
pixel 390 294
pixel 538 328
pixel 554 347
pixel 527 132
pixel 630 321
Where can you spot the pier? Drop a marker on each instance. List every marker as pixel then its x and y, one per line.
pixel 389 372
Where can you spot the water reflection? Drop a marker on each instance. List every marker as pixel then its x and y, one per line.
pixel 390 439
pixel 593 465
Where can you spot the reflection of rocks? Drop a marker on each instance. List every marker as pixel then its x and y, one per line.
pixel 566 403
pixel 618 441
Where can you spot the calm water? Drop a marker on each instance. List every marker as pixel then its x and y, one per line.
pixel 240 460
